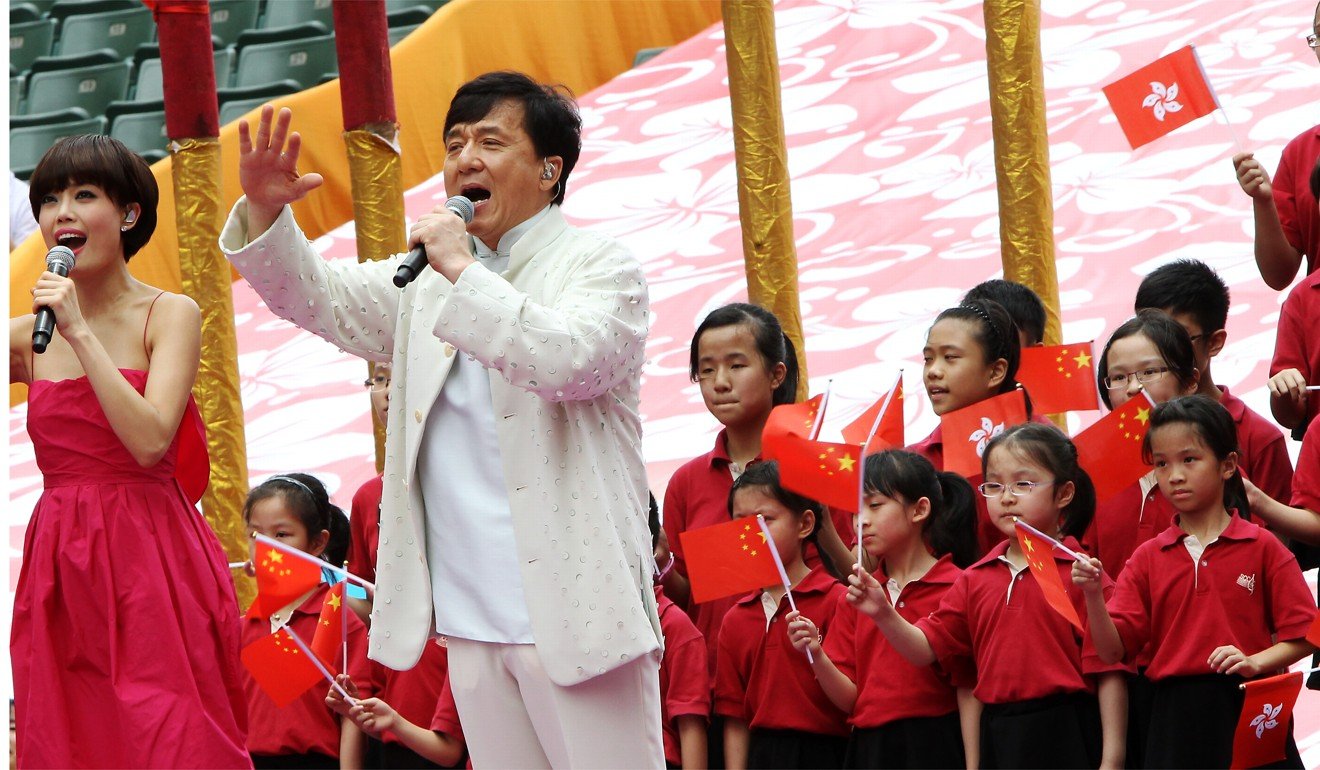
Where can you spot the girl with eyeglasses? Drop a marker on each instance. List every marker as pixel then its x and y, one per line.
pixel 1049 701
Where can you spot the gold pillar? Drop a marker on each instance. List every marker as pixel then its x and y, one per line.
pixel 205 277
pixel 1022 151
pixel 764 205
pixel 376 173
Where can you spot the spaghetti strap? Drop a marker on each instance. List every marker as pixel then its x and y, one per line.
pixel 147 323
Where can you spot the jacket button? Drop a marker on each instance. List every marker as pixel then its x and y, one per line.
pixel 449 350
pixel 418 415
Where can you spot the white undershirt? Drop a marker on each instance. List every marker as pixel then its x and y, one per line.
pixel 475 580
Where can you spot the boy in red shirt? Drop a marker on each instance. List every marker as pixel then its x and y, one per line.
pixel 1296 357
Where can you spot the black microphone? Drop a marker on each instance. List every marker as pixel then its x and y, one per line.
pixel 59 261
pixel 412 264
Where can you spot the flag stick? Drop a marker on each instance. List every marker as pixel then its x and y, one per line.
pixel 861 475
pixel 1304 672
pixel 319 665
pixel 237 564
pixel 1215 95
pixel 343 620
pixel 783 573
pixel 1313 387
pixel 323 564
pixel 820 415
pixel 1076 556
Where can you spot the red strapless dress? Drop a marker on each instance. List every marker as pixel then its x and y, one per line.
pixel 125 636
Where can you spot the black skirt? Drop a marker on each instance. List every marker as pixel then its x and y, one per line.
pixel 795 749
pixel 1140 694
pixel 1057 731
pixel 312 760
pixel 918 742
pixel 1192 722
pixel 396 756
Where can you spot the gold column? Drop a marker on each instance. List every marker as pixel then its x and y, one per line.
pixel 376 173
pixel 205 277
pixel 1022 151
pixel 764 205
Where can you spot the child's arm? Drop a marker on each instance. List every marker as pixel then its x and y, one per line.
pixel 691 741
pixel 1288 396
pixel 969 716
pixel 1104 634
pixel 1111 691
pixel 868 596
pixel 335 702
pixel 834 683
pixel 1230 660
pixel 1276 258
pixel 736 738
pixel 375 716
pixel 1298 523
pixel 352 745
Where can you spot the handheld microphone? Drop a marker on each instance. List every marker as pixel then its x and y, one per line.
pixel 59 261
pixel 412 264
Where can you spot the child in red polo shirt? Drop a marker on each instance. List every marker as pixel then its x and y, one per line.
pixel 917 524
pixel 1214 598
pixel 775 715
pixel 1037 677
pixel 1296 361
pixel 1301 519
pixel 295 509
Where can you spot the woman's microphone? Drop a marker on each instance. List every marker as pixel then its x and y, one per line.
pixel 59 261
pixel 412 264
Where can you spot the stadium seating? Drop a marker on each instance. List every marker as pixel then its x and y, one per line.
pixel 284 13
pixel 120 31
pixel 230 17
pixel 90 82
pixel 304 61
pixel 150 78
pixel 236 102
pixel 28 41
pixel 27 143
pixel 140 126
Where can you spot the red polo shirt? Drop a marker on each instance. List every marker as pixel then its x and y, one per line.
pixel 761 678
pixel 1293 198
pixel 364 530
pixel 1023 648
pixel 305 724
pixel 698 496
pixel 684 674
pixel 413 693
pixel 890 688
pixel 1245 588
pixel 1124 522
pixel 1262 449
pixel 1306 482
pixel 1296 345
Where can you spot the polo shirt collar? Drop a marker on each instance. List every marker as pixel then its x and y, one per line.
pixel 936 438
pixel 817 581
pixel 1237 408
pixel 720 453
pixel 992 556
pixel 1237 529
pixel 942 572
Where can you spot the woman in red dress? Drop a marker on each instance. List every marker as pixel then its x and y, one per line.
pixel 125 633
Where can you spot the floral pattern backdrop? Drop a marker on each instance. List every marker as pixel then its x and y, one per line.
pixel 888 127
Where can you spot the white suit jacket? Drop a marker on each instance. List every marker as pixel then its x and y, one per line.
pixel 562 335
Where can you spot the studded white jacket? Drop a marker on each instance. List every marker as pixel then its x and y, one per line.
pixel 562 334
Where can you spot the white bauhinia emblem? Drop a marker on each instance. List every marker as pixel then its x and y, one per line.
pixel 1267 720
pixel 1162 99
pixel 982 435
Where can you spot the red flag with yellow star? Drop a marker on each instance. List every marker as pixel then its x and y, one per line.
pixel 968 431
pixel 1040 557
pixel 800 419
pixel 881 425
pixel 822 471
pixel 729 558
pixel 282 576
pixel 1060 378
pixel 1110 450
pixel 283 671
pixel 330 627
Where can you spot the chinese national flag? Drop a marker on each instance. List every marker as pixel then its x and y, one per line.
pixel 794 419
pixel 729 558
pixel 1262 730
pixel 824 472
pixel 330 627
pixel 1166 94
pixel 1110 450
pixel 281 578
pixel 1040 557
pixel 888 427
pixel 968 431
pixel 282 670
pixel 1060 378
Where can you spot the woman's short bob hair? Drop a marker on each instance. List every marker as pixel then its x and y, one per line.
pixel 107 163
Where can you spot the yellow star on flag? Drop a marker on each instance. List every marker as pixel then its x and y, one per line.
pixel 333 601
pixel 275 556
pixel 1143 415
pixel 846 463
pixel 1083 360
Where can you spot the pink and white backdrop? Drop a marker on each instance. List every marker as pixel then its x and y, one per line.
pixel 894 203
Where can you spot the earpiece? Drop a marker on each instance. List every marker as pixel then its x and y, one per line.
pixel 128 220
pixel 549 172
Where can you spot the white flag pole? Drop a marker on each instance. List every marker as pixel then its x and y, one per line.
pixel 783 573
pixel 323 564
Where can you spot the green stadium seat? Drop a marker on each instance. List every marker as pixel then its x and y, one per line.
pixel 139 125
pixel 237 102
pixel 231 17
pixel 397 5
pixel 121 31
pixel 90 82
pixel 646 54
pixel 284 13
pixel 15 94
pixel 43 6
pixel 63 9
pixel 408 17
pixel 398 33
pixel 28 143
pixel 305 61
pixel 151 83
pixel 28 41
pixel 281 34
pixel 22 13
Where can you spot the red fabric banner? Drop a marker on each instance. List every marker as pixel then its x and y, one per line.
pixel 1166 94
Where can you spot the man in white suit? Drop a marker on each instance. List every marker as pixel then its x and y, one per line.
pixel 513 512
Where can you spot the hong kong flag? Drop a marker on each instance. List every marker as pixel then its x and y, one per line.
pixel 968 431
pixel 1166 94
pixel 1110 450
pixel 729 558
pixel 1263 728
pixel 1060 378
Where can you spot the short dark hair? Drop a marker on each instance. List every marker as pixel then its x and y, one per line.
pixel 771 342
pixel 1170 339
pixel 303 493
pixel 1024 306
pixel 996 334
pixel 108 164
pixel 1048 447
pixel 550 116
pixel 1186 286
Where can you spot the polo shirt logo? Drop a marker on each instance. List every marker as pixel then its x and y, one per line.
pixel 1248 582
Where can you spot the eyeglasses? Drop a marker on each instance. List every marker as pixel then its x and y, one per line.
pixel 377 384
pixel 1120 381
pixel 1313 41
pixel 1018 488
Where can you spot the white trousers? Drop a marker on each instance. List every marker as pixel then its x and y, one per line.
pixel 513 716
